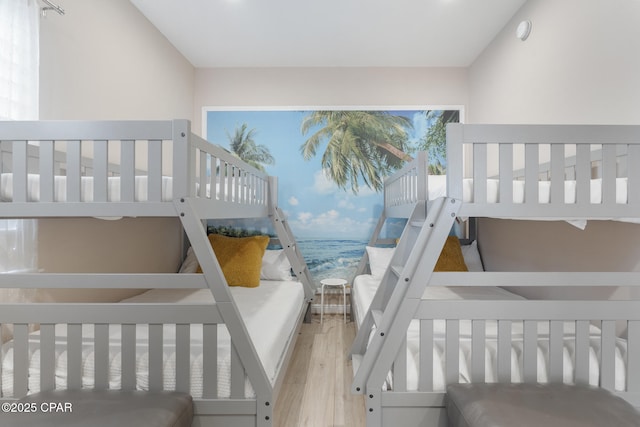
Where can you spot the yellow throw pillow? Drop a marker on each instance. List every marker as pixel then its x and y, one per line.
pixel 240 258
pixel 451 258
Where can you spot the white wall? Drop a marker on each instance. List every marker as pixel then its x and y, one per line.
pixel 327 87
pixel 579 65
pixel 103 60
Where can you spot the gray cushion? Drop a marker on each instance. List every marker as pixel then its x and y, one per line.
pixel 535 405
pixel 103 408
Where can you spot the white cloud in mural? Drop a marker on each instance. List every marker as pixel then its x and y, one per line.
pixel 331 223
pixel 293 201
pixel 304 217
pixel 322 184
pixel 346 204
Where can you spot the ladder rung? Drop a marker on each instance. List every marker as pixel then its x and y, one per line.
pixel 377 317
pixel 396 269
pixel 417 224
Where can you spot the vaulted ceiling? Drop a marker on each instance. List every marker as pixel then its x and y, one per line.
pixel 329 33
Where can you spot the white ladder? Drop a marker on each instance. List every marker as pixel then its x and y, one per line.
pixel 399 296
pixel 288 243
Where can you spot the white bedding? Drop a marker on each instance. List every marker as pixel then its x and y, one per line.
pixel 86 188
pixel 364 288
pixel 269 311
pixel 141 191
pixel 438 188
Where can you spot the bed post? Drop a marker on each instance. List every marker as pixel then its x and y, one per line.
pixel 455 160
pixel 182 159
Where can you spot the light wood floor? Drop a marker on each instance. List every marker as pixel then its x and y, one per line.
pixel 316 389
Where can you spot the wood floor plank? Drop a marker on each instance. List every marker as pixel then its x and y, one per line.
pixel 318 400
pixel 316 389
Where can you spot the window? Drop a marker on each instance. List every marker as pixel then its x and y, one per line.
pixel 19 81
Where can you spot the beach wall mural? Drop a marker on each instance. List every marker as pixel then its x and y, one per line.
pixel 330 166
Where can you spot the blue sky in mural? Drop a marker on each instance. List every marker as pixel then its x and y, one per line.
pixel 316 207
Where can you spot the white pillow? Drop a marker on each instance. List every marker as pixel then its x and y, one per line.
pixel 379 259
pixel 190 263
pixel 472 256
pixel 275 265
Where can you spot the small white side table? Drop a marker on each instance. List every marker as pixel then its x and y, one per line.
pixel 335 283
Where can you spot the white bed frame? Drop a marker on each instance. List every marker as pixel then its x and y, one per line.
pixel 398 300
pixel 237 190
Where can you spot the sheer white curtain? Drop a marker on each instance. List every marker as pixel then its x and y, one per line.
pixel 19 81
pixel 19 57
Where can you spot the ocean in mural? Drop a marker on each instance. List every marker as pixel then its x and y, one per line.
pixel 328 258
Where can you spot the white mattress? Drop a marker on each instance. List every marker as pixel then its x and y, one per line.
pixel 141 191
pixel 270 312
pixel 438 188
pixel 364 288
pixel 86 188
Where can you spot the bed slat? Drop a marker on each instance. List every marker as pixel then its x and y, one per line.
pixel 183 354
pixel 400 368
pixel 74 356
pixel 556 349
pixel 100 171
pixel 506 174
pixel 127 170
pixel 155 171
pixel 452 351
pixel 504 351
pixel 633 356
pixel 74 150
pixel 609 162
pixel 237 374
pixel 557 174
pixel 101 354
pixel 583 174
pixel 530 350
pixel 19 171
pixel 128 361
pixel 607 355
pixel 46 164
pixel 633 184
pixel 210 361
pixel 47 357
pixel 479 173
pixel 20 359
pixel 478 343
pixel 582 352
pixel 531 152
pixel 202 178
pixel 425 382
pixel 156 373
pixel 224 180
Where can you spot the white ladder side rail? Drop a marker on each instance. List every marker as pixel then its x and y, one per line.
pixel 389 279
pixel 290 246
pixel 400 308
pixel 217 283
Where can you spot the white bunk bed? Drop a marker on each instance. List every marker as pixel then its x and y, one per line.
pixel 417 336
pixel 227 347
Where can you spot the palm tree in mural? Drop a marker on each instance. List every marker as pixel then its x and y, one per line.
pixel 244 146
pixel 361 145
pixel 434 140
